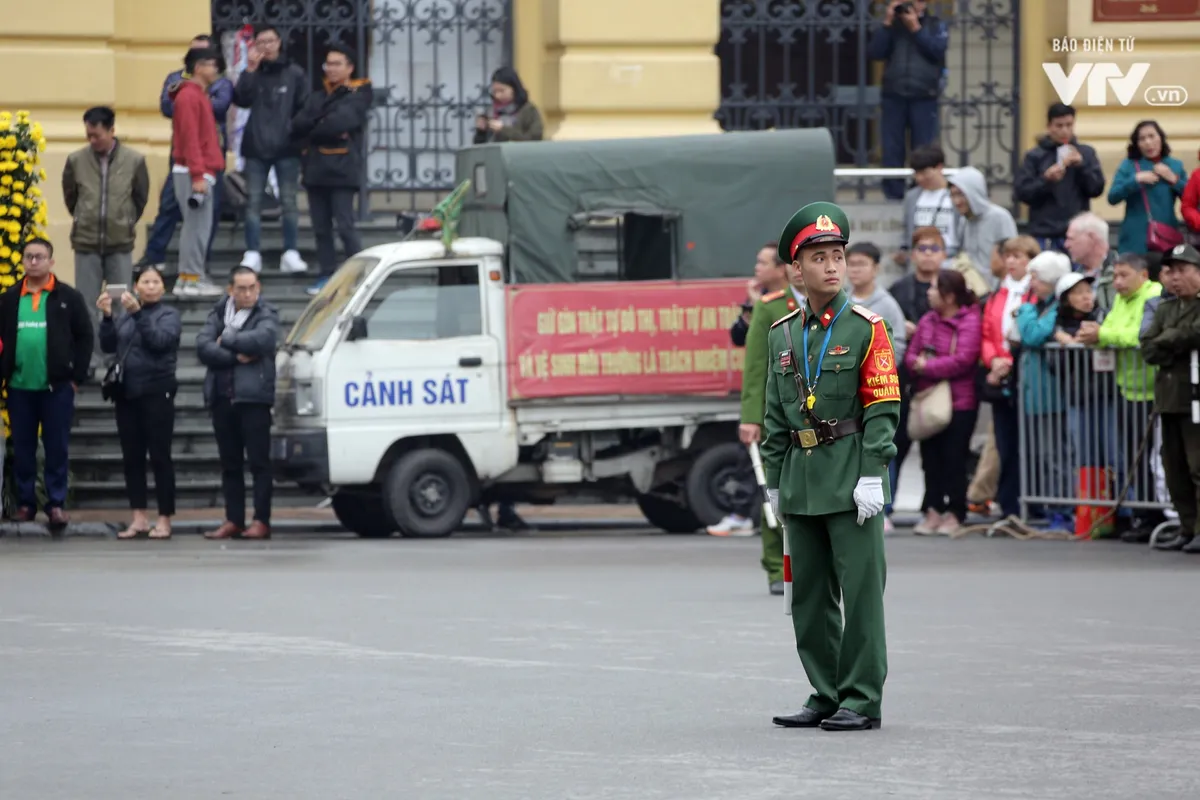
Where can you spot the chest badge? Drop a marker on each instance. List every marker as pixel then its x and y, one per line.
pixel 785 359
pixel 839 350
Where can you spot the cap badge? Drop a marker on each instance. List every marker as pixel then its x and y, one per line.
pixel 825 224
pixel 1178 251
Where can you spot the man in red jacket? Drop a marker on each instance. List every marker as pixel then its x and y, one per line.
pixel 196 159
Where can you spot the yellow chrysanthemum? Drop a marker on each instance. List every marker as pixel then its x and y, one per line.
pixel 41 172
pixel 18 197
pixel 19 186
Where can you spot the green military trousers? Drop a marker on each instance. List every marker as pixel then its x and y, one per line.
pixel 833 558
pixel 772 552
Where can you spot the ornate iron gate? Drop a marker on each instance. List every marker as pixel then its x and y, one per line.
pixel 429 61
pixel 803 63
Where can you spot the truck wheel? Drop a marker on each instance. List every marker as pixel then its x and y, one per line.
pixel 668 514
pixel 427 493
pixel 720 482
pixel 362 513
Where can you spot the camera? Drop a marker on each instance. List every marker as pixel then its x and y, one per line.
pixel 196 200
pixel 904 8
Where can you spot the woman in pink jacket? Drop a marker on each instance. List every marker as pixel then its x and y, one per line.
pixel 946 347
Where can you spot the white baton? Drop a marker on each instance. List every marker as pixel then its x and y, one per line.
pixel 772 522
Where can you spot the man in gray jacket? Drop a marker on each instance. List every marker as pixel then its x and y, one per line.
pixel 987 224
pixel 238 345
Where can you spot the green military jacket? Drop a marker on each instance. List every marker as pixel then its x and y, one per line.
pixel 105 204
pixel 766 313
pixel 858 381
pixel 1173 335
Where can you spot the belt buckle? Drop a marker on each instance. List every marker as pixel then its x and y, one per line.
pixel 808 438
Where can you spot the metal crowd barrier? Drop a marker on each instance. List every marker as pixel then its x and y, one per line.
pixel 1088 443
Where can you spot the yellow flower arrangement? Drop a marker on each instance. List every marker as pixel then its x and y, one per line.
pixel 22 206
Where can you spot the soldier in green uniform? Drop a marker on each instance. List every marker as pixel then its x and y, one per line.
pixel 1170 341
pixel 833 404
pixel 769 309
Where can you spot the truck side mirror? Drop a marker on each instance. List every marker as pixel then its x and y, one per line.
pixel 358 329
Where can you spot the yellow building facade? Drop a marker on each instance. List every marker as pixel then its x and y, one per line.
pixel 597 70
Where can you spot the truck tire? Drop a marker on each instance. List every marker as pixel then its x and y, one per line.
pixel 427 493
pixel 362 513
pixel 720 482
pixel 670 515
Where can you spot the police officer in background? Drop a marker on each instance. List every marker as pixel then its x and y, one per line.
pixel 1173 336
pixel 832 406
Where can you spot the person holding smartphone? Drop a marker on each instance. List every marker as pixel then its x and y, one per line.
pixel 512 117
pixel 1058 179
pixel 143 333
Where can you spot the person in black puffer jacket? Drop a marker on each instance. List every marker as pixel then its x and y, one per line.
pixel 331 125
pixel 145 340
pixel 274 91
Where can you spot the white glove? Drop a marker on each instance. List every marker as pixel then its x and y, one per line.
pixel 773 498
pixel 868 496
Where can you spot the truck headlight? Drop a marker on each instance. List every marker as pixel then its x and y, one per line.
pixel 307 398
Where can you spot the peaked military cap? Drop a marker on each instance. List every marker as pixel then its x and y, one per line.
pixel 1183 253
pixel 816 222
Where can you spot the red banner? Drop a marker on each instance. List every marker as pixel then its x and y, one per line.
pixel 644 337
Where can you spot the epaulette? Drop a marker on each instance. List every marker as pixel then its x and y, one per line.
pixel 866 313
pixel 785 318
pixel 767 298
pixel 357 83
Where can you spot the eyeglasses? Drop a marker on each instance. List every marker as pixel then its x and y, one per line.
pixel 36 259
pixel 929 248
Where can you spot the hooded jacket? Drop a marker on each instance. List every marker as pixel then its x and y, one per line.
pixel 1053 204
pixel 194 142
pixel 331 125
pixel 986 226
pixel 220 94
pixel 274 94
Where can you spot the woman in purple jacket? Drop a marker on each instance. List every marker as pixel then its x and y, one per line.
pixel 945 347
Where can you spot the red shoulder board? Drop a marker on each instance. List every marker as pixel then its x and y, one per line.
pixel 878 381
pixel 866 313
pixel 785 318
pixel 767 298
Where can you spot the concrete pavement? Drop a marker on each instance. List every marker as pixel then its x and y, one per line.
pixel 589 667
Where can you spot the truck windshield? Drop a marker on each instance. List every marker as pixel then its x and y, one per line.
pixel 316 323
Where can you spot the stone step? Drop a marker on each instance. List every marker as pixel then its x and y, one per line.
pixel 193 437
pixel 205 493
pixel 108 467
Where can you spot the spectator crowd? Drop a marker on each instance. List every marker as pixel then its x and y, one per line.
pixel 113 327
pixel 1067 358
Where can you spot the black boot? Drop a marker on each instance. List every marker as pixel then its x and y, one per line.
pixel 1192 547
pixel 847 720
pixel 804 718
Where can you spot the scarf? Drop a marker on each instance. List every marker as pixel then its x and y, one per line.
pixel 234 317
pixel 1012 301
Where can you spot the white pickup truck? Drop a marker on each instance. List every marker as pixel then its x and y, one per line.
pixel 394 393
pixel 575 336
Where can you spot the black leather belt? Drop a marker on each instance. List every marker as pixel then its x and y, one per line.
pixel 825 432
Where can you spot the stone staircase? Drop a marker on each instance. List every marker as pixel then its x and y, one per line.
pixel 97 478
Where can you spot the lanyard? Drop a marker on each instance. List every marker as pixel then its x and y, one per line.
pixel 812 385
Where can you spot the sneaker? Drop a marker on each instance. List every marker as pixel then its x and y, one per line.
pixel 949 526
pixel 732 525
pixel 316 288
pixel 184 285
pixel 253 260
pixel 929 526
pixel 292 262
pixel 888 526
pixel 203 287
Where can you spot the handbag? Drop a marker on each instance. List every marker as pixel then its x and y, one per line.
pixel 930 410
pixel 112 386
pixel 1161 237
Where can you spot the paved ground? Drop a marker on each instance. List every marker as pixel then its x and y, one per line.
pixel 580 667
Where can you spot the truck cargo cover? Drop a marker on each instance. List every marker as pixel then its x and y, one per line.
pixel 729 193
